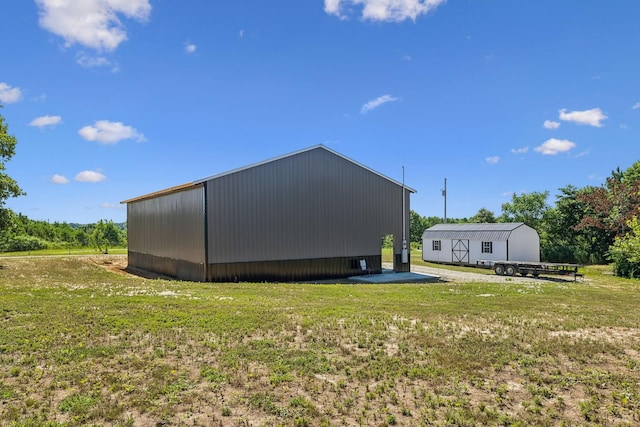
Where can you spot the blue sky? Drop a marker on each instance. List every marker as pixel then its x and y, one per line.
pixel 112 99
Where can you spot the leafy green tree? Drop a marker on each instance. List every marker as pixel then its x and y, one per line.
pixel 417 225
pixel 105 233
pixel 483 215
pixel 527 207
pixel 625 251
pixel 8 186
pixel 8 225
pixel 612 205
pixel 608 210
pixel 420 223
pixel 82 239
pixel 562 241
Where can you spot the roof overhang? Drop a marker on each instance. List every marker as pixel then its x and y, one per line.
pixel 176 189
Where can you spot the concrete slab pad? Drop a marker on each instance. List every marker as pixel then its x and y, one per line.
pixel 392 277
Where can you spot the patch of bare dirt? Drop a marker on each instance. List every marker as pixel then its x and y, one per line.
pixel 114 263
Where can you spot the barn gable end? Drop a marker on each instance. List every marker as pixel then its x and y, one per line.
pixel 311 214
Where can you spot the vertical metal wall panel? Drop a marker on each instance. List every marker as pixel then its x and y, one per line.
pixel 524 244
pixel 169 226
pixel 311 205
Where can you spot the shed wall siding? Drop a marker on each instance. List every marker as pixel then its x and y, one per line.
pixel 169 227
pixel 518 243
pixel 524 245
pixel 443 255
pixel 312 205
pixel 499 252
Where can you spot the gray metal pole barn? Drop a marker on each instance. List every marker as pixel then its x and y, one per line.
pixel 307 215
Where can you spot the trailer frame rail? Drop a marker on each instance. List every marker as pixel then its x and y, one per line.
pixel 535 269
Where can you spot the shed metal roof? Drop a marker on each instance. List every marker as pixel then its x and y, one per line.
pixel 487 232
pixel 189 185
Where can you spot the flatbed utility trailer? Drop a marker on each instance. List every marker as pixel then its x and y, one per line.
pixel 511 268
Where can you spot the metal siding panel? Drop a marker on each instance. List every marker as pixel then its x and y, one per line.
pixel 292 270
pixel 499 252
pixel 311 205
pixel 475 252
pixel 170 226
pixel 524 245
pixel 443 255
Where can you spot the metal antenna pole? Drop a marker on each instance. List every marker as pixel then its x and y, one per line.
pixel 444 194
pixel 404 253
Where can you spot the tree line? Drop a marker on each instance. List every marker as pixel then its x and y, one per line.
pixel 590 225
pixel 23 234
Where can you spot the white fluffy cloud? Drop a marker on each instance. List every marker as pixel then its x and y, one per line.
pixel 549 124
pixel 95 24
pixel 90 61
pixel 522 150
pixel 90 176
pixel 382 10
pixel 371 105
pixel 591 117
pixel 9 94
pixel 553 146
pixel 44 121
pixel 59 179
pixel 107 132
pixel 492 160
pixel 636 106
pixel 190 47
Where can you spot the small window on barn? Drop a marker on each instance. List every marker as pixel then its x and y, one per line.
pixel 436 245
pixel 487 247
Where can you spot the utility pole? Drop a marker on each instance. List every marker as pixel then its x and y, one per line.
pixel 405 253
pixel 444 194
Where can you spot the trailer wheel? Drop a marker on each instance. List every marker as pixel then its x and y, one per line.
pixel 499 269
pixel 510 270
pixel 524 273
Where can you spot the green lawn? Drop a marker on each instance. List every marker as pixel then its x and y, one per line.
pixel 75 251
pixel 83 344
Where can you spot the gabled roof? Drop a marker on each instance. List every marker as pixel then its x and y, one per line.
pixel 487 232
pixel 315 147
pixel 190 185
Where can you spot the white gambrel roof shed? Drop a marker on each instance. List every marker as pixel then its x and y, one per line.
pixel 470 243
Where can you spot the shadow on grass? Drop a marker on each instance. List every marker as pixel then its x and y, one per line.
pixel 146 274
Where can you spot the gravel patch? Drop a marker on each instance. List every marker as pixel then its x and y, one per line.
pixel 447 275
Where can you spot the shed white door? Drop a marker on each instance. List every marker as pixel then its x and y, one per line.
pixel 460 251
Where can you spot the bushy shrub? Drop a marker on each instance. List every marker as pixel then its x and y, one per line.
pixel 21 243
pixel 625 252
